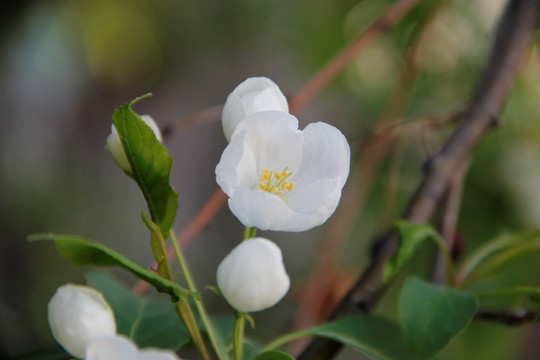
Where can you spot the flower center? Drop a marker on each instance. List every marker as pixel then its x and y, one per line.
pixel 276 182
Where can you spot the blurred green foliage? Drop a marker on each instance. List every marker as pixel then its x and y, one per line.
pixel 67 64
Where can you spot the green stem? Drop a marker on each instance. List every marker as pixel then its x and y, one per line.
pixel 285 339
pixel 184 309
pixel 186 314
pixel 249 232
pixel 198 303
pixel 238 335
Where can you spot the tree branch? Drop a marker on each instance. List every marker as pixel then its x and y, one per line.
pixel 511 40
pixel 380 26
pixel 517 318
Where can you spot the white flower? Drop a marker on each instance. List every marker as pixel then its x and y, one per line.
pixel 77 315
pixel 252 276
pixel 280 178
pixel 114 145
pixel 253 95
pixel 121 348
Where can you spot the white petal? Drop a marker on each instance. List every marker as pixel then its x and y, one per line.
pixel 256 208
pixel 77 315
pixel 266 140
pixel 326 155
pixel 115 347
pixel 114 147
pixel 252 276
pixel 274 139
pixel 119 347
pixel 148 120
pixel 237 166
pixel 253 95
pixel 313 204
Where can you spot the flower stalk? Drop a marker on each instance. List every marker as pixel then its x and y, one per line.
pixel 198 303
pixel 238 335
pixel 249 232
pixel 182 306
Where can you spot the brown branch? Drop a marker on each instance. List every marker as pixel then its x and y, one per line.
pixel 449 221
pixel 204 116
pixel 511 40
pixel 382 25
pixel 507 317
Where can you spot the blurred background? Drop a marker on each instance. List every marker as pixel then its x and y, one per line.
pixel 67 64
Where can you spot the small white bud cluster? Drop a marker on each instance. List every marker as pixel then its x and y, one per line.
pixel 83 324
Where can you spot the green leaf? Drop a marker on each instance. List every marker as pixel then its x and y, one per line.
pixel 150 163
pixel 431 316
pixel 83 252
pixel 411 236
pixel 148 322
pixel 273 355
pixel 372 336
pixel 493 257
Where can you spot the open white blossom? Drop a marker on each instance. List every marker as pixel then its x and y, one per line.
pixel 280 178
pixel 121 348
pixel 252 276
pixel 77 315
pixel 114 145
pixel 253 95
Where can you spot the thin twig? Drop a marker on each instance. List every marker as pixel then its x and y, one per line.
pixel 507 317
pixel 204 116
pixel 449 221
pixel 513 35
pixel 382 25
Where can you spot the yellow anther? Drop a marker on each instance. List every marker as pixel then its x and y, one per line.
pixel 265 175
pixel 286 174
pixel 287 185
pixel 283 197
pixel 276 191
pixel 277 175
pixel 262 186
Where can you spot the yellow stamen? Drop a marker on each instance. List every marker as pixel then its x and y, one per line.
pixel 274 182
pixel 265 175
pixel 287 185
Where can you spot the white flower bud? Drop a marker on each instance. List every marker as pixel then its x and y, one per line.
pixel 252 276
pixel 78 315
pixel 121 348
pixel 114 145
pixel 254 95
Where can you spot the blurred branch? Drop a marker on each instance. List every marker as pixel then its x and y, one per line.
pixel 380 26
pixel 205 116
pixel 507 317
pixel 449 220
pixel 513 34
pixel 319 293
